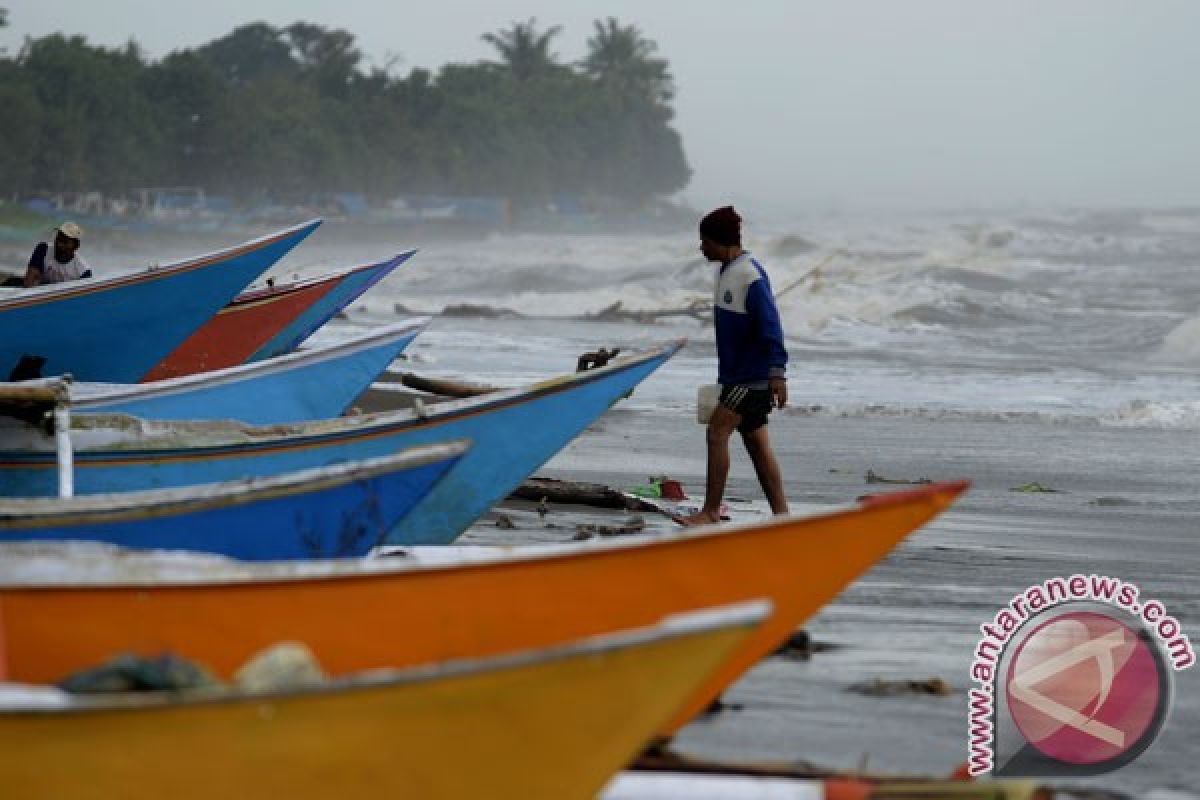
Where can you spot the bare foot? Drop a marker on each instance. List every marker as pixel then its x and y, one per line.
pixel 699 518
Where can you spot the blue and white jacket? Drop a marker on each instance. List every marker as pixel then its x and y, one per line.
pixel 749 336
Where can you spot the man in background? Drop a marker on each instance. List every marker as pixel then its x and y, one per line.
pixel 58 262
pixel 751 361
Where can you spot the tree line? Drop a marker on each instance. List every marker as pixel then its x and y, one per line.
pixel 284 111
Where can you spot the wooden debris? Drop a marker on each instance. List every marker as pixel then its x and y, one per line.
pixel 699 309
pixel 801 646
pixel 814 274
pixel 882 688
pixel 577 493
pixel 446 388
pixel 873 477
pixel 589 531
pixel 719 705
pixel 467 310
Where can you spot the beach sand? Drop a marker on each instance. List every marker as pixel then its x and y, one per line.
pixel 1124 507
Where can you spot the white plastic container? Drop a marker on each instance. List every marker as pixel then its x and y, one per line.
pixel 707 397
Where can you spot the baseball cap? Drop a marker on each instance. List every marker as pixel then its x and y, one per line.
pixel 72 230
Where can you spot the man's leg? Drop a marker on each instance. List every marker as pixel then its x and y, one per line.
pixel 722 425
pixel 758 445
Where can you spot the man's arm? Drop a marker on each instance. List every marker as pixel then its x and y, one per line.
pixel 37 265
pixel 760 303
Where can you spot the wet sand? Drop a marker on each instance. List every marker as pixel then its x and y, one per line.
pixel 1125 507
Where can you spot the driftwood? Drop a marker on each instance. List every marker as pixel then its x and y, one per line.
pixel 538 490
pixel 814 273
pixel 659 757
pixel 882 688
pixel 699 309
pixel 472 311
pixel 874 477
pixel 446 388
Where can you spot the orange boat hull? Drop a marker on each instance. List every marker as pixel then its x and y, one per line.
pixel 238 330
pixel 412 615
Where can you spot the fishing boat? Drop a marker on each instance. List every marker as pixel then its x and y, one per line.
pixel 554 722
pixel 299 387
pixel 450 602
pixel 339 511
pixel 513 432
pixel 271 321
pixel 118 328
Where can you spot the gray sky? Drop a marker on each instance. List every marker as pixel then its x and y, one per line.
pixel 844 104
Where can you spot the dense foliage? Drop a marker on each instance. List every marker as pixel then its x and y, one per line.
pixel 285 111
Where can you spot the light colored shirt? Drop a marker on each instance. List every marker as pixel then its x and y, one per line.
pixel 55 271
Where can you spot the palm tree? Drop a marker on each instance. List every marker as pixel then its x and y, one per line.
pixel 620 57
pixel 524 51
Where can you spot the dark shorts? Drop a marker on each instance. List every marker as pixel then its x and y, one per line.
pixel 752 405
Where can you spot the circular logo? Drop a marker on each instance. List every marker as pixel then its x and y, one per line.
pixel 1086 688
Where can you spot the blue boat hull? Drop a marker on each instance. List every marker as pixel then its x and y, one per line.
pixel 308 392
pixel 513 433
pixel 118 329
pixel 341 521
pixel 325 309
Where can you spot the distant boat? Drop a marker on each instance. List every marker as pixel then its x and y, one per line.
pixel 118 328
pixel 301 387
pixel 450 602
pixel 339 511
pixel 554 722
pixel 264 323
pixel 513 433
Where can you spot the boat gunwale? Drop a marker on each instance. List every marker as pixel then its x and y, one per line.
pixel 370 570
pixel 741 615
pixel 299 436
pixel 254 297
pixel 70 290
pixel 135 392
pixel 31 513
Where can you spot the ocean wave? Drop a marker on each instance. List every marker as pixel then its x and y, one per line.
pixel 1141 414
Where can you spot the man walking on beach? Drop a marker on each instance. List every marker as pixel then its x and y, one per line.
pixel 751 361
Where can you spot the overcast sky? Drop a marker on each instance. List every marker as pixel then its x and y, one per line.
pixel 843 104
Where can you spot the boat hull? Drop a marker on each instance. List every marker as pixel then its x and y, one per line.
pixel 513 433
pixel 269 321
pixel 333 512
pixel 468 607
pixel 117 329
pixel 300 387
pixel 554 725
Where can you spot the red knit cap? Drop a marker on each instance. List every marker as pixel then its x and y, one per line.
pixel 722 226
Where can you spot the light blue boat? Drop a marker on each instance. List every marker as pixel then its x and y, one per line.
pixel 339 511
pixel 118 328
pixel 345 292
pixel 300 387
pixel 513 433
